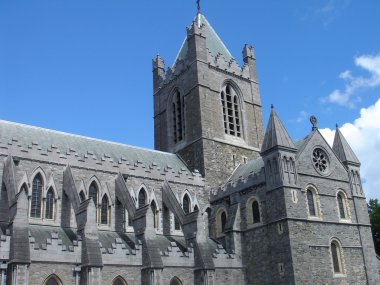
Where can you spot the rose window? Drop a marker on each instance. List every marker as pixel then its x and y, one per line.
pixel 320 161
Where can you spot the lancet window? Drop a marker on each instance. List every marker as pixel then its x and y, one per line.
pixel 36 199
pixel 49 204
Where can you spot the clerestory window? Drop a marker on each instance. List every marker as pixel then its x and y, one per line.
pixel 231 113
pixel 35 204
pixel 178 117
pixel 104 214
pixel 49 204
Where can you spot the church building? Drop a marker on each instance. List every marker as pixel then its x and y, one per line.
pixel 220 200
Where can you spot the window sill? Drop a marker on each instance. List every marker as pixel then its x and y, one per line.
pixel 254 225
pixel 315 218
pixel 339 275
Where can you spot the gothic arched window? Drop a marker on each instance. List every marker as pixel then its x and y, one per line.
pixel 49 204
pixel 223 221
pixel 311 202
pixel 255 212
pixel 231 112
pixel 178 117
pixel 175 281
pixel 52 280
pixel 35 203
pixel 119 281
pixel 337 257
pixel 186 204
pixel 93 194
pixel 342 206
pixel 142 198
pixel 155 214
pixel 104 211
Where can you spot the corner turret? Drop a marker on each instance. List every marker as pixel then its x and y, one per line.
pixel 158 72
pixel 250 60
pixel 278 152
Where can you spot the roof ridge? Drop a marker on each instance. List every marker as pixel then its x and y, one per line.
pixel 85 137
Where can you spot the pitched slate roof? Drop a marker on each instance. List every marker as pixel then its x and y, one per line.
pixel 213 42
pixel 65 142
pixel 276 134
pixel 246 169
pixel 342 149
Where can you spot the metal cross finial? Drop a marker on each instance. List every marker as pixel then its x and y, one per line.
pixel 199 5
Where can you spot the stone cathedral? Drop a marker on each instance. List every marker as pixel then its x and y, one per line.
pixel 220 201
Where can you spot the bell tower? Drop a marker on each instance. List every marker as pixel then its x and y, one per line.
pixel 207 107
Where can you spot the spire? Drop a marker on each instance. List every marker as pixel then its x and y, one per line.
pixel 343 150
pixel 213 42
pixel 276 135
pixel 199 6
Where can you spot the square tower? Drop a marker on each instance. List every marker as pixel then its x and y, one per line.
pixel 207 108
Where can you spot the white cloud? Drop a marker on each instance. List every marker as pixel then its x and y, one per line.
pixel 345 97
pixel 364 137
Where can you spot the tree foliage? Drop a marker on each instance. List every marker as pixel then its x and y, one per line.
pixel 374 216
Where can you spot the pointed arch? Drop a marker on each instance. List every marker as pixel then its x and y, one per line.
pixel 104 210
pixel 119 281
pixel 50 184
pixel 231 109
pixel 186 203
pixel 142 197
pixel 50 204
pixel 93 194
pixel 337 257
pixel 177 107
pixel 343 206
pixel 175 281
pixel 221 221
pixel 153 206
pixel 253 211
pixel 53 280
pixel 24 182
pixel 36 197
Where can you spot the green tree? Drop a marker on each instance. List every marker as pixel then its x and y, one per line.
pixel 374 216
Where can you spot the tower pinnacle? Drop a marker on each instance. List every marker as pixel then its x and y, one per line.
pixel 199 6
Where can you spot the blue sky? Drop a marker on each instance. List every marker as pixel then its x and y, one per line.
pixel 84 67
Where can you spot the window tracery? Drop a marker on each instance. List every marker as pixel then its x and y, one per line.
pixel 231 112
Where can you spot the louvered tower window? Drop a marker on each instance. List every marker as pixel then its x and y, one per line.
pixel 178 117
pixel 231 113
pixel 49 204
pixel 35 203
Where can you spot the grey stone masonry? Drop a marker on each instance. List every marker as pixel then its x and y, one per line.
pixel 217 203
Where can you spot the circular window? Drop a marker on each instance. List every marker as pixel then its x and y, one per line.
pixel 320 161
